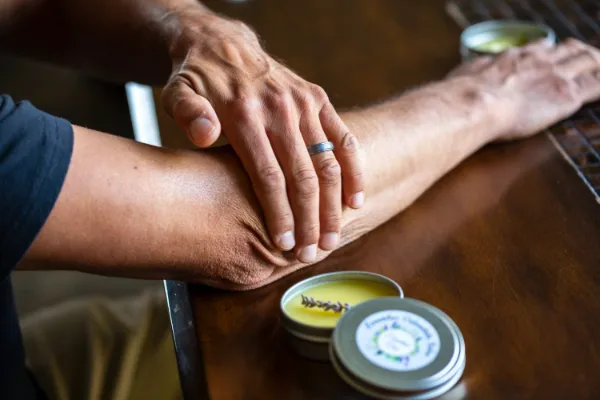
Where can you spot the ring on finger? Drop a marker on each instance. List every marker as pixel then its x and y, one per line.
pixel 320 148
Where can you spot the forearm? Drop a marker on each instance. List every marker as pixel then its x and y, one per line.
pixel 117 39
pixel 411 142
pixel 138 211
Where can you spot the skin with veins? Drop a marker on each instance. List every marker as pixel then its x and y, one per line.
pixel 193 216
pixel 218 80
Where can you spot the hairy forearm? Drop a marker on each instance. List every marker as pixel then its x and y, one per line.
pixel 116 39
pixel 133 210
pixel 411 142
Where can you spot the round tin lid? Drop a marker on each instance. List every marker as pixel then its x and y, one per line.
pixel 320 334
pixel 377 393
pixel 473 37
pixel 398 345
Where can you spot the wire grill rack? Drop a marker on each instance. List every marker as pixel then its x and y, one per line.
pixel 577 138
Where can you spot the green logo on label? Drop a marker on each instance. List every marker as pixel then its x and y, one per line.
pixel 397 340
pixel 396 343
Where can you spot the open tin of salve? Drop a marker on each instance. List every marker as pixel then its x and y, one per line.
pixel 494 37
pixel 380 343
pixel 311 309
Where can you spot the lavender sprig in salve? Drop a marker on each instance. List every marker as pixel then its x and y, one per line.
pixel 337 307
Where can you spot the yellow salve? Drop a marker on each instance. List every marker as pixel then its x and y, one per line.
pixel 501 44
pixel 351 291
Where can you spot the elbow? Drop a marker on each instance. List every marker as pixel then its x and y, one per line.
pixel 245 260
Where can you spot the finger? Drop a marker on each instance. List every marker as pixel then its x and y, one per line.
pixel 539 45
pixel 330 181
pixel 251 144
pixel 577 64
pixel 530 55
pixel 589 85
pixel 565 49
pixel 347 152
pixel 193 113
pixel 471 67
pixel 479 63
pixel 303 185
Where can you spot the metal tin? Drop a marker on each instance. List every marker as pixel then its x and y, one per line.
pixel 312 341
pixel 397 348
pixel 484 32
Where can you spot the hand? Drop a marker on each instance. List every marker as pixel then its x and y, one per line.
pixel 538 85
pixel 223 82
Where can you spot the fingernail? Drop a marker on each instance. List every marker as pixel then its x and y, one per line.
pixel 308 254
pixel 357 200
pixel 201 126
pixel 286 241
pixel 329 240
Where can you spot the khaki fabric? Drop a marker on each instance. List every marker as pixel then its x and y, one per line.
pixel 102 349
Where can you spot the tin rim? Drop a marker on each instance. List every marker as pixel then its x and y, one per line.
pixel 497 26
pixel 423 395
pixel 322 334
pixel 442 368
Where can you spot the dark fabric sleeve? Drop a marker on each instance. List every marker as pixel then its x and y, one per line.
pixel 35 151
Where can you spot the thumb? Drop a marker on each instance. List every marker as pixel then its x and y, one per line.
pixel 192 113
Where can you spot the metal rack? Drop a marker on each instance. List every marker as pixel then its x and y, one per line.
pixel 577 138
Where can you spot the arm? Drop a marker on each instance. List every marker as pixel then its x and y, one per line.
pixel 220 81
pixel 132 210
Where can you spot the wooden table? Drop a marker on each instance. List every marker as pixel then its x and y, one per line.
pixel 506 244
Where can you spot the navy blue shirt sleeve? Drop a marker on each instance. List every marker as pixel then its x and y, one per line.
pixel 35 151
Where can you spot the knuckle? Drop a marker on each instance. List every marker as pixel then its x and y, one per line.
pixel 310 232
pixel 572 42
pixel 270 179
pixel 480 62
pixel 562 87
pixel 511 53
pixel 357 177
pixel 305 100
pixel 279 99
pixel 332 221
pixel 319 94
pixel 588 57
pixel 245 106
pixel 528 55
pixel 174 81
pixel 281 221
pixel 531 58
pixel 349 144
pixel 275 89
pixel 329 171
pixel 593 53
pixel 284 221
pixel 171 92
pixel 306 181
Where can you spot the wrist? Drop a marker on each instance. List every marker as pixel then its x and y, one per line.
pixel 491 110
pixel 173 23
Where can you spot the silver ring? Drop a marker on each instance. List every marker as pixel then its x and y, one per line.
pixel 320 148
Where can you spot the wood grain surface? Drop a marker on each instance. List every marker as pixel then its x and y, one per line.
pixel 506 244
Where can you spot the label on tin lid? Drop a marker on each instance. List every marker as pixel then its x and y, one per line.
pixel 398 340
